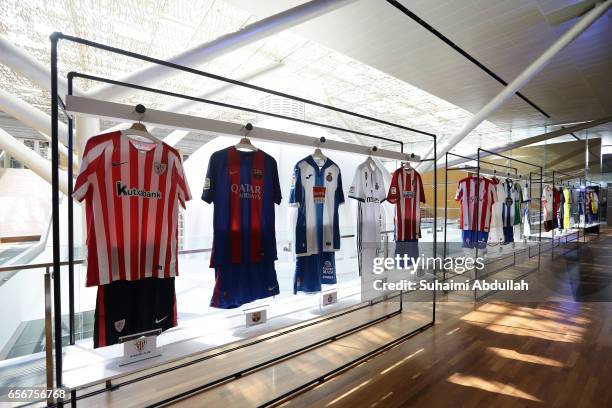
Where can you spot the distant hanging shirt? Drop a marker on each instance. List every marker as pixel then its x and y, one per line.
pixel 244 187
pixel 406 192
pixel 475 209
pixel 317 192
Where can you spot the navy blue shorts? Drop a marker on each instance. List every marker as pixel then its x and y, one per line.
pixel 473 239
pixel 238 284
pixel 508 235
pixel 409 248
pixel 314 270
pixel 125 307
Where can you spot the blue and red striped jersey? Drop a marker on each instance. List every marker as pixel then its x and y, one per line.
pixel 244 187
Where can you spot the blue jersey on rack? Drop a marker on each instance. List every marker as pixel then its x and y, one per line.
pixel 317 192
pixel 244 187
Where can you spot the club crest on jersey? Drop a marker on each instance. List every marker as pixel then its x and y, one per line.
pixel 329 177
pixel 509 201
pixel 393 190
pixel 375 186
pixel 352 190
pixel 120 325
pixel 257 173
pixel 160 168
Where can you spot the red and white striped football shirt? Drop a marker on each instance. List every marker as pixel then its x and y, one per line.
pixel 467 197
pixel 132 190
pixel 406 192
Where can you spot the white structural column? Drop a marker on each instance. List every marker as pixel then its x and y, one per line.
pixel 532 70
pixel 84 128
pixel 196 56
pixel 24 64
pixel 31 159
pixel 32 117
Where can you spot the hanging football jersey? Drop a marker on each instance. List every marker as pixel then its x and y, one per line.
pixel 566 207
pixel 368 189
pixel 244 187
pixel 497 223
pixel 406 192
pixel 316 190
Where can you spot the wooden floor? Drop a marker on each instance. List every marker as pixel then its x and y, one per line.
pixel 500 352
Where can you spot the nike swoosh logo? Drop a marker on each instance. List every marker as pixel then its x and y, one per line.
pixel 308 176
pixel 119 164
pixel 233 172
pixel 160 320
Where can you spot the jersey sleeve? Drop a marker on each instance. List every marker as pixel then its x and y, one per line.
pixel 296 193
pixel 356 189
pixel 184 193
pixel 339 190
pixel 208 194
pixel 459 192
pixel 393 194
pixel 421 190
pixel 89 164
pixel 277 194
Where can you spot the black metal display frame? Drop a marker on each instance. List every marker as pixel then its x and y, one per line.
pixel 56 103
pixel 464 169
pixel 478 169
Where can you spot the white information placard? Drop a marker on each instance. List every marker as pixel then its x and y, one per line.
pixel 140 348
pixel 256 316
pixel 329 297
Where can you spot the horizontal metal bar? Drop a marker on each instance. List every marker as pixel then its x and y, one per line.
pixel 121 112
pixel 509 158
pixel 228 80
pixel 80 261
pixel 35 266
pixel 72 75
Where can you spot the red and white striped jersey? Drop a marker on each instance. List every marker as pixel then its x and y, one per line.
pixel 466 195
pixel 406 192
pixel 132 190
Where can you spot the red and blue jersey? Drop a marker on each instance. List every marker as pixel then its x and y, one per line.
pixel 244 187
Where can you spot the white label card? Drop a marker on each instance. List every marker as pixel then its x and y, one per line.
pixel 329 298
pixel 255 317
pixel 139 349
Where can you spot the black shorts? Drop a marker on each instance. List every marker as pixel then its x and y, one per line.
pixel 129 307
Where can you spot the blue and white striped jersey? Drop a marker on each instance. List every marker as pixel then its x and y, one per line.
pixel 317 192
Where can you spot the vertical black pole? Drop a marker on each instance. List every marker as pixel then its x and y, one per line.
pixel 435 237
pixel 552 248
pixel 541 220
pixel 57 299
pixel 444 251
pixel 477 215
pixel 70 225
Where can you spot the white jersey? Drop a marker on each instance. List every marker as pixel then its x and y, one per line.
pixel 496 230
pixel 368 188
